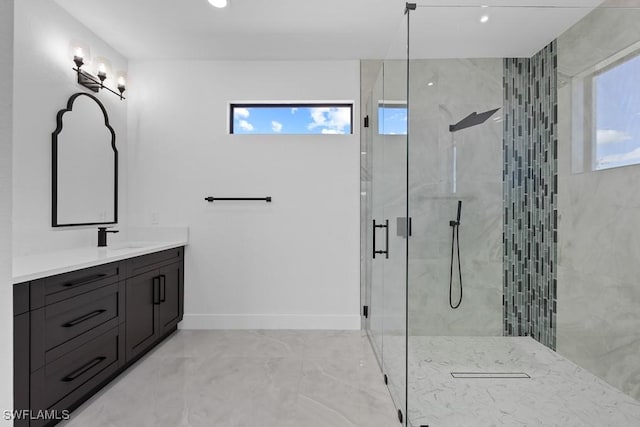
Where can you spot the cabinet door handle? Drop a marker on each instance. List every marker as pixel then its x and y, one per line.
pixel 156 290
pixel 84 280
pixel 83 318
pixel 163 288
pixel 84 369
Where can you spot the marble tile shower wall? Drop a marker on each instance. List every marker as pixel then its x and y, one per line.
pixel 459 87
pixel 530 196
pixel 598 250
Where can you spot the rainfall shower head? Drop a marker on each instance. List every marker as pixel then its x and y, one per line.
pixel 472 119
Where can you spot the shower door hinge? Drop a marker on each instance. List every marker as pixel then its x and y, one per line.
pixel 365 311
pixel 403 227
pixel 366 121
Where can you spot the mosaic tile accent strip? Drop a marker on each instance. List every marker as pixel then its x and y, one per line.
pixel 530 196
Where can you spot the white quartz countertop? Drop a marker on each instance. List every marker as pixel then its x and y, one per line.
pixel 37 266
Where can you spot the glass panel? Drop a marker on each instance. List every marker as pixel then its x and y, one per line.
pixel 505 131
pixel 454 161
pixel 394 204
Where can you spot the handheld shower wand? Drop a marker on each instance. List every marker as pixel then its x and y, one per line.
pixel 455 241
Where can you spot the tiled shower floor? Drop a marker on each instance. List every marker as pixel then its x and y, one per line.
pixel 247 379
pixel 559 393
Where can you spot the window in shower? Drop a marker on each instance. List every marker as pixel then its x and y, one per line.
pixel 392 118
pixel 615 115
pixel 291 118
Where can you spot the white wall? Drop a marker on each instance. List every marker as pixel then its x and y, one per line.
pixel 6 296
pixel 289 264
pixel 43 82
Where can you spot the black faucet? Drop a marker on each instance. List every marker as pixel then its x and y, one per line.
pixel 102 236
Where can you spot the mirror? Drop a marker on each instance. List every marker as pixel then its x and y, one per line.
pixel 85 165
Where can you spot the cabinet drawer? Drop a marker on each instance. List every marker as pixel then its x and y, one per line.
pixel 145 263
pixel 57 288
pixel 74 316
pixel 80 367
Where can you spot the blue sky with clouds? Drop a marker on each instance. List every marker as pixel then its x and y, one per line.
pixel 618 115
pixel 291 120
pixel 392 119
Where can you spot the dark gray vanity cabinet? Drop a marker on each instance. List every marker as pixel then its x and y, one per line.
pixel 155 299
pixel 142 312
pixel 171 308
pixel 76 331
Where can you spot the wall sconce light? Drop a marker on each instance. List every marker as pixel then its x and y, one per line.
pixel 92 82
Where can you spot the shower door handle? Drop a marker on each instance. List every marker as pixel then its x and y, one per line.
pixel 386 250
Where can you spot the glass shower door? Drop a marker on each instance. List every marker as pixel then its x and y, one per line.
pixel 385 189
pixel 373 158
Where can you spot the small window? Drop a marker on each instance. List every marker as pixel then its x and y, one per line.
pixel 392 118
pixel 291 118
pixel 616 114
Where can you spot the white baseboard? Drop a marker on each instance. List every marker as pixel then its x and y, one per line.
pixel 270 321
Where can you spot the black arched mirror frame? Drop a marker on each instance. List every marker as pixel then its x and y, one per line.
pixel 54 178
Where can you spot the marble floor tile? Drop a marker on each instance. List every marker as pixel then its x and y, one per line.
pixel 245 379
pixel 558 392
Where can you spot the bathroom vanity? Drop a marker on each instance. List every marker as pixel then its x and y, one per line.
pixel 83 316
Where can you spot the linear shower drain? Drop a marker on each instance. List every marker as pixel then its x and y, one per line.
pixel 490 375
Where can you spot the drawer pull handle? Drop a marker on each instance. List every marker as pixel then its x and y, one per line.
pixel 163 288
pixel 85 280
pixel 84 318
pixel 84 369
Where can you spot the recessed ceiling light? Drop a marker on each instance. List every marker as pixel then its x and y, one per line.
pixel 218 3
pixel 430 84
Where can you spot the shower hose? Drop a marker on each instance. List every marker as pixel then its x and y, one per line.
pixel 455 242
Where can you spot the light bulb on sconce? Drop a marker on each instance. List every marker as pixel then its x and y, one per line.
pixel 218 3
pixel 102 73
pixel 78 57
pixel 121 85
pixel 485 16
